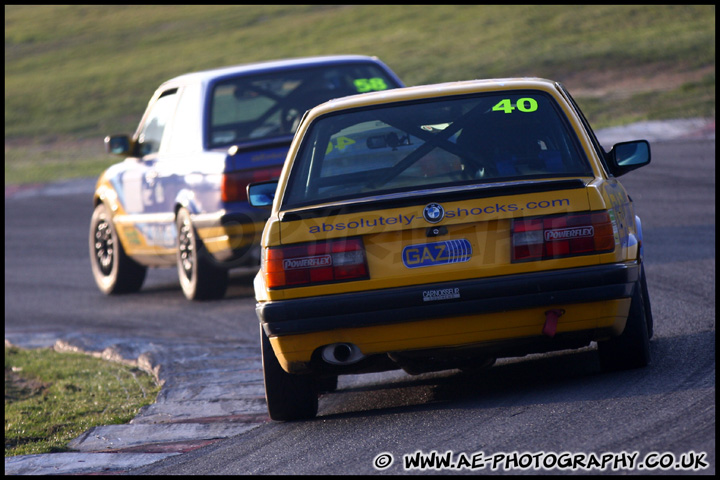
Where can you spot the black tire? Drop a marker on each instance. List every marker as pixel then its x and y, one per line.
pixel 632 348
pixel 478 366
pixel 201 277
pixel 646 303
pixel 289 397
pixel 327 384
pixel 114 272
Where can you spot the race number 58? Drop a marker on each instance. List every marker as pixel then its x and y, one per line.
pixel 370 84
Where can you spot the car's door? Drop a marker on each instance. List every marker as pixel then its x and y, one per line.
pixel 149 204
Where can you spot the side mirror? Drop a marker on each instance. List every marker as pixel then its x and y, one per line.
pixel 117 144
pixel 262 194
pixel 627 156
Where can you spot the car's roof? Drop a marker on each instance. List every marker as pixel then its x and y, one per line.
pixel 268 66
pixel 435 90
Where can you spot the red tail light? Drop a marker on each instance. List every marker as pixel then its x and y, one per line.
pixel 233 187
pixel 315 263
pixel 542 238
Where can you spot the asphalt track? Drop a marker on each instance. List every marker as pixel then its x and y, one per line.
pixel 210 416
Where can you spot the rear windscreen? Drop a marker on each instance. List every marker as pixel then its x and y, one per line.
pixel 430 144
pixel 256 107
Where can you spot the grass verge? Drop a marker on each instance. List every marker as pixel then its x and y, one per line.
pixel 52 397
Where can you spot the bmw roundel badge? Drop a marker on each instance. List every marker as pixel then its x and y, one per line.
pixel 433 213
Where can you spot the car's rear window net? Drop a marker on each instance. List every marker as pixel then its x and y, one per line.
pixel 434 143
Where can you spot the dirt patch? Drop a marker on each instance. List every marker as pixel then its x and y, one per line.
pixel 18 387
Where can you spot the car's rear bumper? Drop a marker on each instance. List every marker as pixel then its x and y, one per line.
pixel 450 299
pixel 232 237
pixel 495 314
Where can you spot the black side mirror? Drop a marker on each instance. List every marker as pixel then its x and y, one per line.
pixel 117 144
pixel 627 156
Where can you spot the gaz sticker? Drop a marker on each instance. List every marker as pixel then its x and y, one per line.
pixel 438 253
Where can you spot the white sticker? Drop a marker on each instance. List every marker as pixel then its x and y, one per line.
pixel 442 294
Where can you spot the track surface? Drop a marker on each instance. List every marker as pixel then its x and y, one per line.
pixel 550 403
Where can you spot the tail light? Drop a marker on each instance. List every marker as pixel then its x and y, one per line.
pixel 233 186
pixel 315 263
pixel 542 238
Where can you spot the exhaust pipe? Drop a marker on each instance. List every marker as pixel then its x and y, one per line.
pixel 342 354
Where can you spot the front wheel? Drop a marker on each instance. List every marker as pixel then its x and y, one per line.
pixel 201 278
pixel 632 348
pixel 288 396
pixel 113 270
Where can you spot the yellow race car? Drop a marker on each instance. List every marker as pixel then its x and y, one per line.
pixel 441 227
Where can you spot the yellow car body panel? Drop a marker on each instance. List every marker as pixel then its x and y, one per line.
pixel 385 235
pixel 294 352
pixel 228 238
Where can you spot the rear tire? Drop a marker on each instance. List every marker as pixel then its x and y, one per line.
pixel 113 270
pixel 288 396
pixel 646 303
pixel 632 348
pixel 327 384
pixel 201 278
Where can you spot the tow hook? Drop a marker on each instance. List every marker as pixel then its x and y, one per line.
pixel 551 319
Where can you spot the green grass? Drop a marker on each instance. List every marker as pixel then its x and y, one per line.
pixel 45 162
pixel 51 397
pixel 78 73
